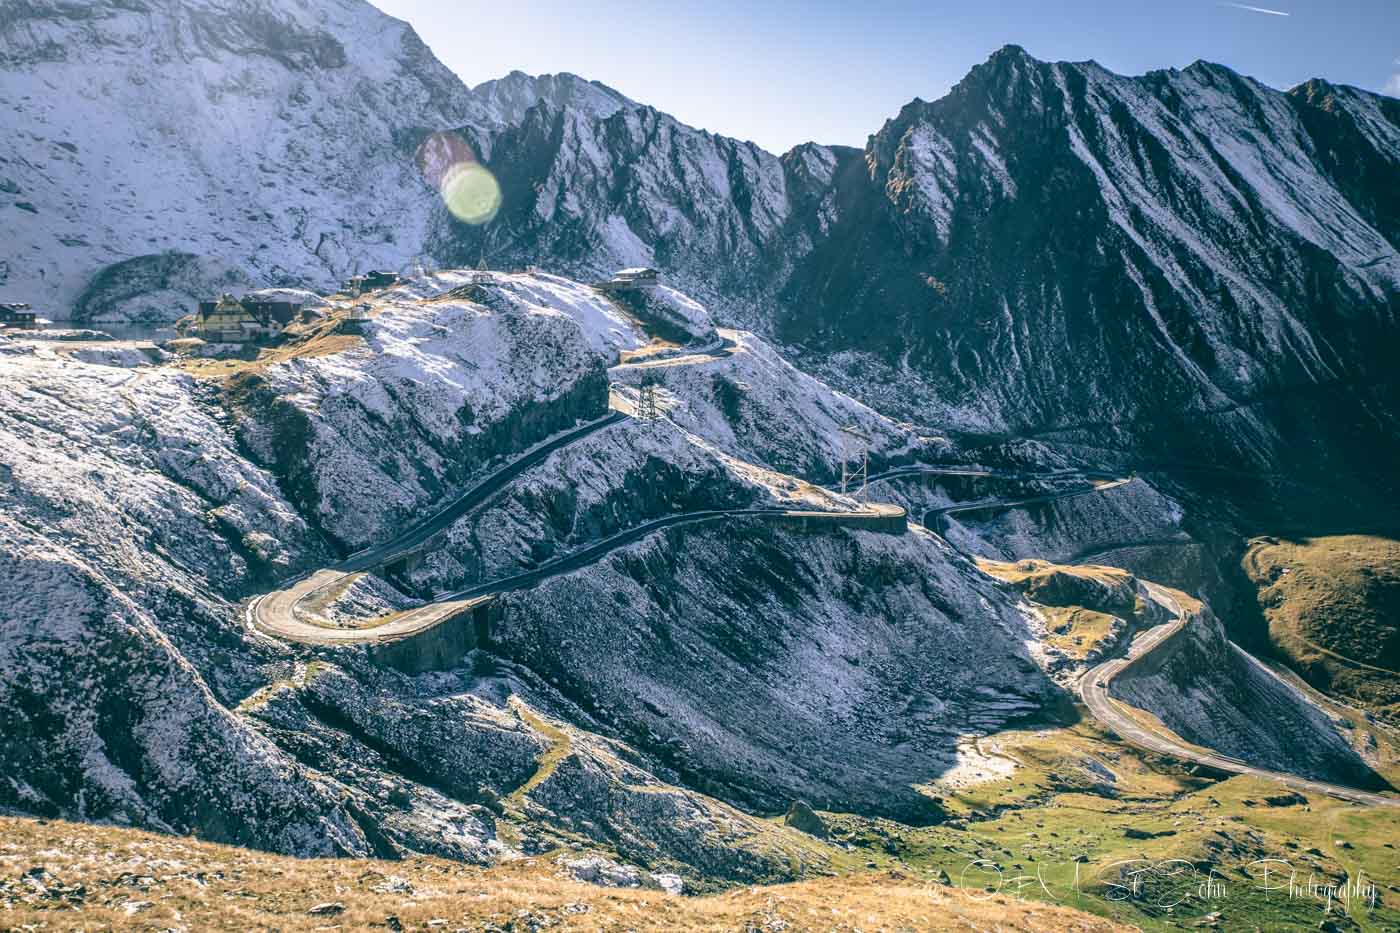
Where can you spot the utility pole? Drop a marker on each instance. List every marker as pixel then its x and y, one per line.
pixel 647 408
pixel 850 475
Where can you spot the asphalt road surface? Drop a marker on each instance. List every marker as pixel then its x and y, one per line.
pixel 1094 687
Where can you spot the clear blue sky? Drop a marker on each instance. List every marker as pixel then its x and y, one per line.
pixel 831 71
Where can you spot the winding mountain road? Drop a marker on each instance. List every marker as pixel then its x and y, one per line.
pixel 1094 686
pixel 279 613
pixel 416 536
pixel 985 505
pixel 276 613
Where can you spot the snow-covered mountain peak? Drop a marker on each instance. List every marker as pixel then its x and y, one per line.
pixel 281 133
pixel 507 99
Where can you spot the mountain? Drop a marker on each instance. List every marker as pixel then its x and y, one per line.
pixel 1186 268
pixel 282 135
pixel 504 101
pixel 498 564
pixel 631 701
pixel 285 137
pixel 1188 264
pixel 585 194
pixel 684 639
pixel 1183 267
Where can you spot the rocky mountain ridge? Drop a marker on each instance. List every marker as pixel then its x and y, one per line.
pixel 1185 265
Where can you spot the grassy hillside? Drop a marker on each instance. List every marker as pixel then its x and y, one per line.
pixel 1333 609
pixel 1053 829
pixel 69 876
pixel 1081 818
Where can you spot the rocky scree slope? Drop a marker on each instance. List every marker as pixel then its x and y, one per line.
pixel 791 583
pixel 369 439
pixel 132 520
pixel 765 664
pixel 129 519
pixel 140 507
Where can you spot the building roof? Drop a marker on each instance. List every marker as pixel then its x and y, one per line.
pixel 263 312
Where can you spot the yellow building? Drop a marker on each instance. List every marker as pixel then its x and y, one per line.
pixel 230 320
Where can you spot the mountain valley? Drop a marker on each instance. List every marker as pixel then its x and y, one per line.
pixel 977 512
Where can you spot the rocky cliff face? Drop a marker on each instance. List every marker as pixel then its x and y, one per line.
pixel 1186 262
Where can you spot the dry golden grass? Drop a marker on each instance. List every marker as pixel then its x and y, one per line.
pixel 561 746
pixel 1077 631
pixel 1340 593
pixel 1022 571
pixel 133 880
pixel 1333 608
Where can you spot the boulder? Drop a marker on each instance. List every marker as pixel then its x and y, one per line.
pixel 803 818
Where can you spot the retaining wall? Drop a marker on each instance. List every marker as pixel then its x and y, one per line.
pixel 885 519
pixel 441 645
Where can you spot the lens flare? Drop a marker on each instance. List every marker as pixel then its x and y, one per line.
pixel 439 153
pixel 468 188
pixel 471 193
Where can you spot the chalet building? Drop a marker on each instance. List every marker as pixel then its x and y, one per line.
pixel 230 320
pixel 373 281
pixel 19 316
pixel 627 279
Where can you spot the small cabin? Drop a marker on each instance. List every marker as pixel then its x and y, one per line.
pixel 230 320
pixel 373 281
pixel 381 279
pixel 644 278
pixel 18 315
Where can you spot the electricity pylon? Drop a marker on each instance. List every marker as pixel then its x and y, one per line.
pixel 850 475
pixel 647 408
